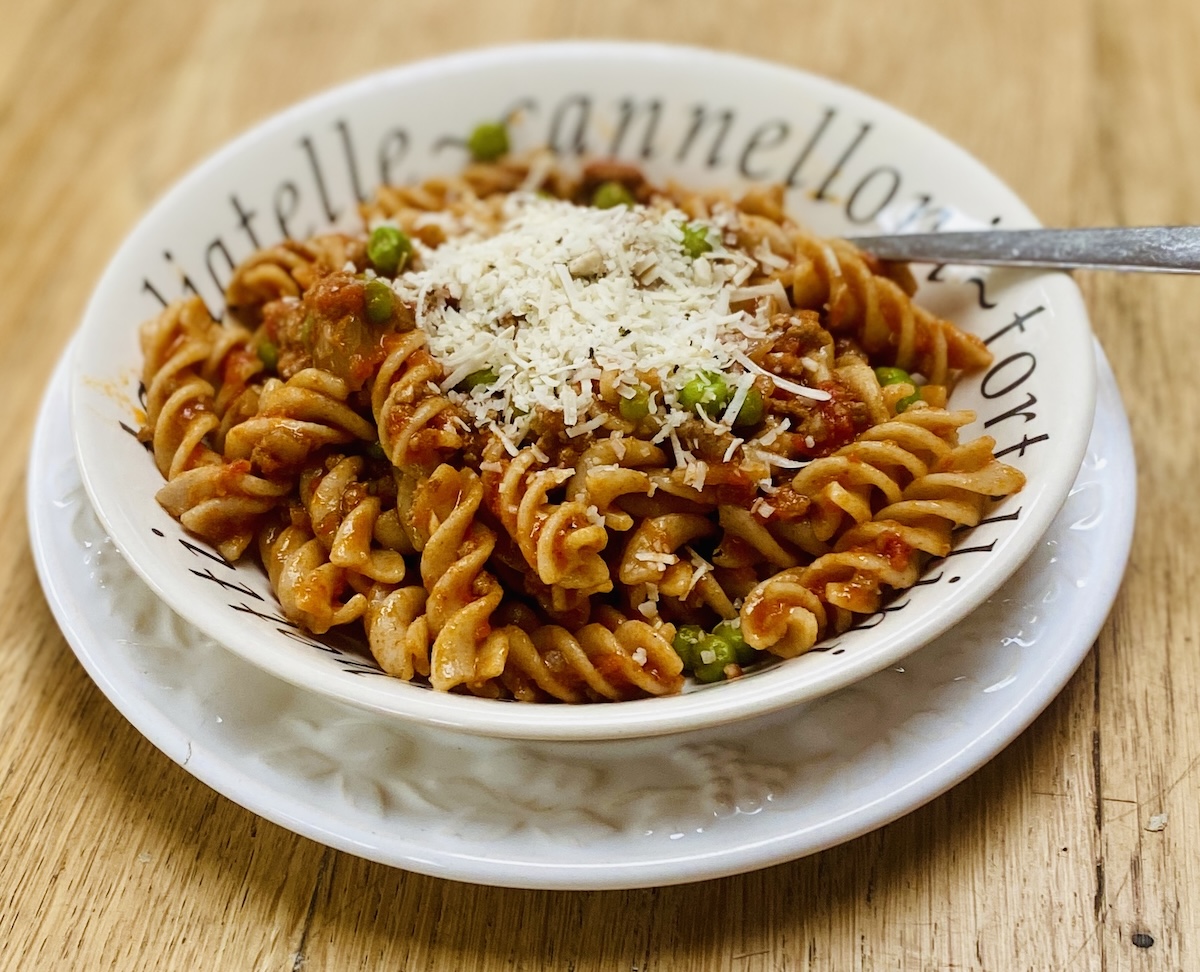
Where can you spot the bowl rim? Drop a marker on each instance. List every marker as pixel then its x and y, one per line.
pixel 731 702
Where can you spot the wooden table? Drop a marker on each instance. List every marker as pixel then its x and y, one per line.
pixel 113 857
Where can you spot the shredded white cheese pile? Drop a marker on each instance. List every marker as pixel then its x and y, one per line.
pixel 562 292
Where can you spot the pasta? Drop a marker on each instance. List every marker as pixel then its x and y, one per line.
pixel 552 436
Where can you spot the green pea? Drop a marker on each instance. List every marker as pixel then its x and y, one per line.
pixel 306 331
pixel 731 633
pixel 488 142
pixel 388 249
pixel 636 407
pixel 380 301
pixel 892 376
pixel 751 412
pixel 687 636
pixel 898 376
pixel 695 240
pixel 610 194
pixel 268 354
pixel 708 389
pixel 722 654
pixel 477 379
pixel 375 451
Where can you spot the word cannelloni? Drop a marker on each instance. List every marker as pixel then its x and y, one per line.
pixel 570 436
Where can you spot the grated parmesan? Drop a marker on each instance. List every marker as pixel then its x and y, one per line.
pixel 816 394
pixel 702 567
pixel 558 293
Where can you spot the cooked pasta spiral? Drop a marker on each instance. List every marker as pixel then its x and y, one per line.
pixel 351 523
pixel 878 310
pixel 222 503
pixel 658 561
pixel 847 487
pixel 398 630
pixel 418 426
pixel 562 542
pixel 187 353
pixel 613 658
pixel 295 418
pixel 311 590
pixel 857 295
pixel 462 594
pixel 929 486
pixel 610 469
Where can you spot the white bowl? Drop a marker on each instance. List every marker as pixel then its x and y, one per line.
pixel 855 166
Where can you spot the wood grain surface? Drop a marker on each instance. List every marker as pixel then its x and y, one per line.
pixel 113 857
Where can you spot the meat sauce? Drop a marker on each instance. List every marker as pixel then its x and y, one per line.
pixel 328 329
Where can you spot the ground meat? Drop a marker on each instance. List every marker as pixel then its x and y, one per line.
pixel 548 432
pixel 702 440
pixel 803 337
pixel 328 329
pixel 788 504
pixel 826 425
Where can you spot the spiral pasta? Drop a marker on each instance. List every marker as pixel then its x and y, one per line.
pixel 570 436
pixel 560 541
pixel 312 591
pixel 398 630
pixel 349 520
pixel 462 594
pixel 186 354
pixel 417 425
pixel 295 418
pixel 613 659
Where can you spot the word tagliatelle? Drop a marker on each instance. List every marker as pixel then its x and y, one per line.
pixel 552 436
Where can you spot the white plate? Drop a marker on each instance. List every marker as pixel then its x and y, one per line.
pixel 705 118
pixel 618 814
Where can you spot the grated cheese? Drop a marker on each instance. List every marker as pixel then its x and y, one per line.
pixel 585 427
pixel 816 394
pixel 695 473
pixel 742 387
pixel 557 293
pixel 651 557
pixel 768 257
pixel 770 436
pixel 702 567
pixel 773 459
pixel 772 288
